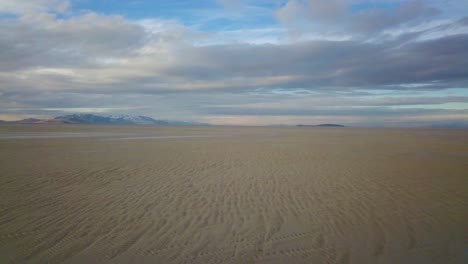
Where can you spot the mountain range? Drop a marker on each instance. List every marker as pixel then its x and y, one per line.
pixel 105 120
pixel 94 119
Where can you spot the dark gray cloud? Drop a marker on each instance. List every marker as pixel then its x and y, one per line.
pixel 333 64
pixel 346 16
pixel 375 20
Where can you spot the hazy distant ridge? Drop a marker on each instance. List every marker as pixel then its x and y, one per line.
pixel 321 125
pixel 106 120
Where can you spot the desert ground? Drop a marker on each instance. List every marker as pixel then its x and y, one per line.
pixel 97 194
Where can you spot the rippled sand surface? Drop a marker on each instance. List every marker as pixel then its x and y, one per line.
pixel 233 195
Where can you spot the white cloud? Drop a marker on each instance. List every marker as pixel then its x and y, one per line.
pixel 21 7
pixel 43 40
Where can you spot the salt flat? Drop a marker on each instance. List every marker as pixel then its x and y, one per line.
pixel 232 195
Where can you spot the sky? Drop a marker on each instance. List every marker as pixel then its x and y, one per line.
pixel 371 63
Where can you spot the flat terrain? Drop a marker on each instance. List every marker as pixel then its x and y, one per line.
pixel 90 194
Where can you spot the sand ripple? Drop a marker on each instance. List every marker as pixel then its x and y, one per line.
pixel 302 196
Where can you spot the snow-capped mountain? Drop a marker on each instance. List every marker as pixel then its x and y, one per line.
pixel 121 120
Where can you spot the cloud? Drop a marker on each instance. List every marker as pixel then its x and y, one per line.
pixel 341 16
pixel 320 65
pixel 33 6
pixel 43 40
pixel 114 54
pixel 376 20
pixel 133 59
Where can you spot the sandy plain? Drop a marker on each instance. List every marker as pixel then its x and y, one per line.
pixel 91 194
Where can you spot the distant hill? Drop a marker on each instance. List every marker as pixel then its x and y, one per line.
pixel 29 121
pixel 321 125
pixel 106 120
pixel 280 125
pixel 33 121
pixel 450 125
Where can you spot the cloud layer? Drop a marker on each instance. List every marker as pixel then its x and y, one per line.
pixel 383 63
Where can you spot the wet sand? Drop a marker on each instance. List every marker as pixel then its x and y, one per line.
pixel 232 195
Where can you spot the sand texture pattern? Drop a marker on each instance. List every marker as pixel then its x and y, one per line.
pixel 233 195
